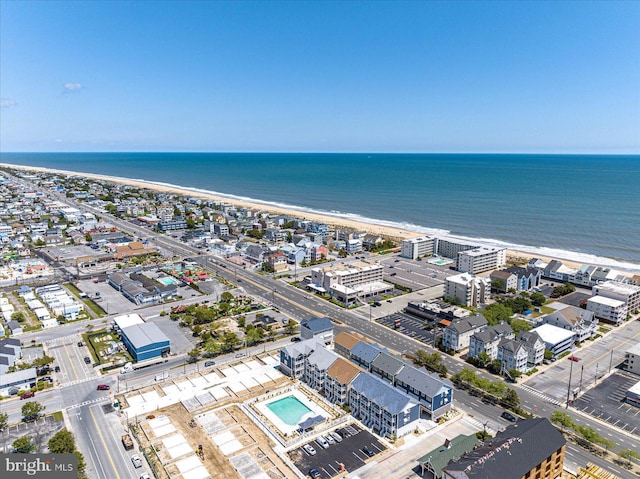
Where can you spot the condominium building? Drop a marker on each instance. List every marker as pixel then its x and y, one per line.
pixel 450 247
pixel 420 247
pixel 628 293
pixel 348 283
pixel 481 259
pixel 632 359
pixel 457 335
pixel 608 309
pixel 470 290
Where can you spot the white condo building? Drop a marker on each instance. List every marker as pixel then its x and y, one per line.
pixel 608 309
pixel 479 260
pixel 415 248
pixel 628 293
pixel 348 283
pixel 469 289
pixel 632 359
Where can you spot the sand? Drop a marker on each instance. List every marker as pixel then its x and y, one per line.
pixel 389 232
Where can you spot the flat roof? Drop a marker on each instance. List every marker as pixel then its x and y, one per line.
pixel 127 320
pixel 614 303
pixel 635 389
pixel 635 349
pixel 552 334
pixel 141 335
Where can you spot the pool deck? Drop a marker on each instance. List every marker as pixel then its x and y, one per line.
pixel 285 428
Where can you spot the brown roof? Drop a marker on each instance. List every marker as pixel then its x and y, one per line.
pixel 444 322
pixel 343 371
pixel 348 340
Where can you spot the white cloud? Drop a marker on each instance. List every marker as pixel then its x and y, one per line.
pixel 70 86
pixel 6 103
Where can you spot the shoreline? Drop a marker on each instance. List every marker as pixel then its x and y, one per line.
pixel 335 220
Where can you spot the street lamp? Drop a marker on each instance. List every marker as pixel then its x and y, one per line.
pixel 572 359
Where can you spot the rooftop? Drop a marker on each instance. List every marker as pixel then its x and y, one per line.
pixel 552 334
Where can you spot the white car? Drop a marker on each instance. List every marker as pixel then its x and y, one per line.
pixel 309 449
pixel 144 476
pixel 336 435
pixel 322 443
pixel 137 462
pixel 329 438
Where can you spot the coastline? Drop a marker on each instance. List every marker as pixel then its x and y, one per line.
pixel 335 220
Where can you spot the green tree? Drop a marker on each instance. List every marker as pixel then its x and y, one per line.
pixel 497 285
pixel 211 348
pixel 23 445
pixel 253 336
pixel 465 375
pixel 514 373
pixel 497 388
pixel 548 354
pixel 230 341
pixel 32 410
pixel 43 361
pixel 629 454
pixel 497 312
pixel 483 359
pixel 193 355
pixel 226 297
pixel 563 419
pixel 4 420
pixel 511 398
pixel 17 316
pixel 518 325
pixel 267 268
pixel 538 299
pixel 291 326
pixel 88 238
pixel 607 443
pixel 62 442
pixel 589 434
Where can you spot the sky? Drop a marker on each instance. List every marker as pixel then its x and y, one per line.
pixel 296 76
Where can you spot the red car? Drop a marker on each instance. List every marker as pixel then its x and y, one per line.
pixel 103 387
pixel 27 395
pixel 574 359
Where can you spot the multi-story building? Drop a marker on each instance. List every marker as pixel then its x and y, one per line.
pixel 628 293
pixel 503 281
pixel 580 321
pixel 470 290
pixel 348 283
pixel 512 355
pixel 338 380
pixel 450 247
pixel 420 247
pixel 557 340
pixel 530 449
pixel 534 346
pixel 487 340
pixel 608 309
pixel 457 335
pixel 293 357
pixel 382 407
pixel 632 359
pixel 344 342
pixel 316 366
pixel 479 260
pixel 320 329
pixel 527 278
pixel 434 394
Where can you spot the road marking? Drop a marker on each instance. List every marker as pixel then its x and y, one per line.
pixel 64 344
pixel 106 448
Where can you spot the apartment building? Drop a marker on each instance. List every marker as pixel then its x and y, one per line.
pixel 420 247
pixel 450 247
pixel 479 260
pixel 580 321
pixel 457 335
pixel 608 309
pixel 627 293
pixel 348 283
pixel 470 290
pixel 338 381
pixel 487 340
pixel 512 355
pixel 632 359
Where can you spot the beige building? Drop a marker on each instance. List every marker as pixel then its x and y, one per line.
pixel 628 293
pixel 608 309
pixel 420 247
pixel 469 289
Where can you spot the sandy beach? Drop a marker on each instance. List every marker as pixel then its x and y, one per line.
pixel 396 234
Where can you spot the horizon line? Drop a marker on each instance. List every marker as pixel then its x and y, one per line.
pixel 319 153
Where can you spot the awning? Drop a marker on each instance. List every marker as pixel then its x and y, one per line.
pixel 310 422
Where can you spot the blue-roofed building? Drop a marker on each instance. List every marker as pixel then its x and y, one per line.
pixel 363 354
pixel 434 394
pixel 145 341
pixel 293 357
pixel 382 407
pixel 318 328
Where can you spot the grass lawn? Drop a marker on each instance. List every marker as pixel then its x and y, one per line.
pixel 87 302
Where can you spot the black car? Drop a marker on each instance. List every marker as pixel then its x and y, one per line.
pixel 368 451
pixel 80 344
pixel 87 360
pixel 509 417
pixel 209 363
pixel 295 339
pixel 57 369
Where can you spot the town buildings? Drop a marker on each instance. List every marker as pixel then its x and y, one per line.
pixel 457 336
pixel 420 247
pixel 581 322
pixel 608 309
pixel 349 283
pixel 479 260
pixel 631 359
pixel 468 289
pixel 627 293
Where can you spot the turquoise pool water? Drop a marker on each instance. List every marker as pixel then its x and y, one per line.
pixel 168 280
pixel 290 410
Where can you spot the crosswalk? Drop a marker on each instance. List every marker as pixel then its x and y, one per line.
pixel 480 426
pixel 543 396
pixel 93 401
pixel 77 381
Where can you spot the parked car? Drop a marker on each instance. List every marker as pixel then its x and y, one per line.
pixel 295 339
pixel 45 378
pixel 144 476
pixel 103 387
pixel 209 363
pixel 239 355
pixel 509 417
pixel 309 449
pixel 57 369
pixel 27 395
pixel 137 462
pixel 80 344
pixel 87 359
pixel 336 436
pixel 314 473
pixel 322 443
pixel 368 451
pixel 574 359
pixel 329 438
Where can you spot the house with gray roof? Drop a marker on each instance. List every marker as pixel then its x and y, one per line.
pixel 363 354
pixel 386 366
pixel 382 407
pixel 317 328
pixel 434 394
pixel 488 340
pixel 22 380
pixel 293 356
pixel 512 355
pixel 534 345
pixel 316 366
pixel 457 335
pixel 527 278
pixel 582 322
pixel 435 460
pixel 15 327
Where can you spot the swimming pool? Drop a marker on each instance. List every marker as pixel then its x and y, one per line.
pixel 289 410
pixel 168 280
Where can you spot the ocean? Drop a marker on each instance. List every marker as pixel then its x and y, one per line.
pixel 581 207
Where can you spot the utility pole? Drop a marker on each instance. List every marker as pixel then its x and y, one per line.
pixel 569 387
pixel 595 379
pixel 581 373
pixel 610 360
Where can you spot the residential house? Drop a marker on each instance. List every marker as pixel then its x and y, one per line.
pixel 582 322
pixel 457 335
pixel 317 328
pixel 293 356
pixel 344 342
pixel 338 381
pixel 488 339
pixel 527 278
pixel 277 261
pixel 533 344
pixel 503 281
pixel 256 253
pixel 386 366
pixel 363 354
pixel 434 394
pixel 513 355
pixel 316 366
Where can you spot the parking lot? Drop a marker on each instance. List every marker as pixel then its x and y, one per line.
pixel 413 274
pixel 348 452
pixel 410 326
pixel 606 401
